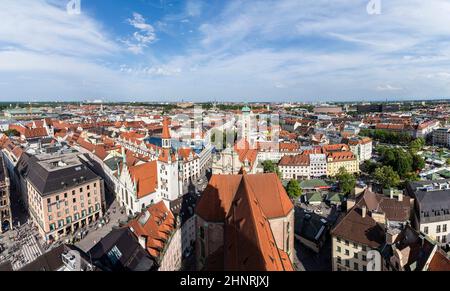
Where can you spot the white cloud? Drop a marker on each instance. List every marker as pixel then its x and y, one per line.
pixel 141 38
pixel 265 50
pixel 39 26
pixel 388 87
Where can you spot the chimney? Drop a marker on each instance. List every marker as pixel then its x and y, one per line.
pixel 364 211
pixel 143 241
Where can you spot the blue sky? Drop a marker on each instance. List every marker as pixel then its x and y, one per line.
pixel 172 50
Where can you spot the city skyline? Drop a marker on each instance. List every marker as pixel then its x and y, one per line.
pixel 237 51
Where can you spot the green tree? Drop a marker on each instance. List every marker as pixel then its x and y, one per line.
pixel 271 167
pixel 387 177
pixel 347 181
pixel 418 163
pixel 293 189
pixel 404 162
pixel 417 145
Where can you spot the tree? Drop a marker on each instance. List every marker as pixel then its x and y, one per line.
pixel 271 167
pixel 293 189
pixel 404 162
pixel 347 182
pixel 418 163
pixel 448 161
pixel 417 145
pixel 387 177
pixel 369 166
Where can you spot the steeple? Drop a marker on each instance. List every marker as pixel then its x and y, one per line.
pixel 166 138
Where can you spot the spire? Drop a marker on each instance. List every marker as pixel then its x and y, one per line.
pixel 166 130
pixel 166 143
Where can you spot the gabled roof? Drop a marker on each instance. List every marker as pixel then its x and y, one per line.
pixel 249 244
pixel 146 178
pixel 216 200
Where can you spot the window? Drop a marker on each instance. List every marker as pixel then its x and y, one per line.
pixel 202 232
pixel 49 200
pixel 425 230
pixel 356 267
pixel 88 187
pixel 57 198
pixel 81 189
pixel 438 229
pixel 444 228
pixel 364 258
pixel 339 260
pixel 73 192
pixel 339 249
pixel 347 243
pixel 355 255
pixel 347 263
pixel 347 252
pixel 65 195
pixel 52 227
pixel 444 239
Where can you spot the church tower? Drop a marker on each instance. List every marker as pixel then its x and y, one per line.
pixel 168 167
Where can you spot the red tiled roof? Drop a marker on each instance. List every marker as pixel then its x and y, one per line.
pixel 440 262
pixel 341 156
pixel 156 224
pixel 166 130
pixel 298 160
pixel 146 178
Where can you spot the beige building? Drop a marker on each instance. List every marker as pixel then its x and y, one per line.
pixel 363 229
pixel 338 160
pixel 64 195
